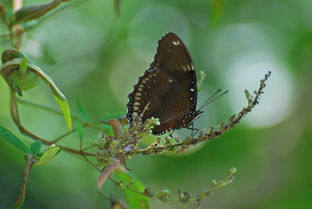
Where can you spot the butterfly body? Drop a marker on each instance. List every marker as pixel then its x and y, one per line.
pixel 168 89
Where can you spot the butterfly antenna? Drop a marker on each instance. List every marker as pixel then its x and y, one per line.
pixel 209 98
pixel 212 98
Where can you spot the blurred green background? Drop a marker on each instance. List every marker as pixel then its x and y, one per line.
pixel 96 58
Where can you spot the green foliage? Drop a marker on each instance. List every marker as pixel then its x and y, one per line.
pixel 79 129
pixel 83 114
pixel 58 95
pixel 48 155
pixel 35 147
pixel 6 135
pixel 64 107
pixel 23 79
pixel 134 199
pixel 23 65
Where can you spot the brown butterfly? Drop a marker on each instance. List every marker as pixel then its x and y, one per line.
pixel 168 89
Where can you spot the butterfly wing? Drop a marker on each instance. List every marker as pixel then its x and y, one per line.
pixel 173 58
pixel 157 95
pixel 168 88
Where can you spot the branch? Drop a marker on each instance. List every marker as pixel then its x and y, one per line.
pixel 182 197
pixel 21 196
pixel 16 118
pixel 41 107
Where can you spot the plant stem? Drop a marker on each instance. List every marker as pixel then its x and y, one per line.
pixel 16 118
pixel 73 131
pixel 17 4
pixel 21 196
pixel 41 107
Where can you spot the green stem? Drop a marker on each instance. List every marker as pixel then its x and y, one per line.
pixel 74 130
pixel 89 147
pixel 41 107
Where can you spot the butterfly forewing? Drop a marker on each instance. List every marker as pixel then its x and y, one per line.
pixel 173 57
pixel 167 90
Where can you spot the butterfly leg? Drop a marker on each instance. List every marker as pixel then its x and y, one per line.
pixel 194 130
pixel 171 133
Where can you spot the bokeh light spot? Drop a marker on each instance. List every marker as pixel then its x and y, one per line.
pixel 276 103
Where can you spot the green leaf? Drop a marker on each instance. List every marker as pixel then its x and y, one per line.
pixel 134 199
pixel 63 105
pixel 23 65
pixel 58 95
pixel 79 129
pixel 34 12
pixel 48 155
pixel 12 139
pixel 35 147
pixel 107 129
pixel 82 112
pixel 109 117
pixel 28 80
pixel 60 98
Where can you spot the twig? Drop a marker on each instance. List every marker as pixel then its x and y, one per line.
pixel 90 162
pixel 41 107
pixel 21 196
pixel 16 118
pixel 183 197
pixel 73 131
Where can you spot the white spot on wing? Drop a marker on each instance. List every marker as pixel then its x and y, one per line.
pixel 176 43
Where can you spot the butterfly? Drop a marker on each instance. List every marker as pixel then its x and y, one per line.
pixel 168 89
